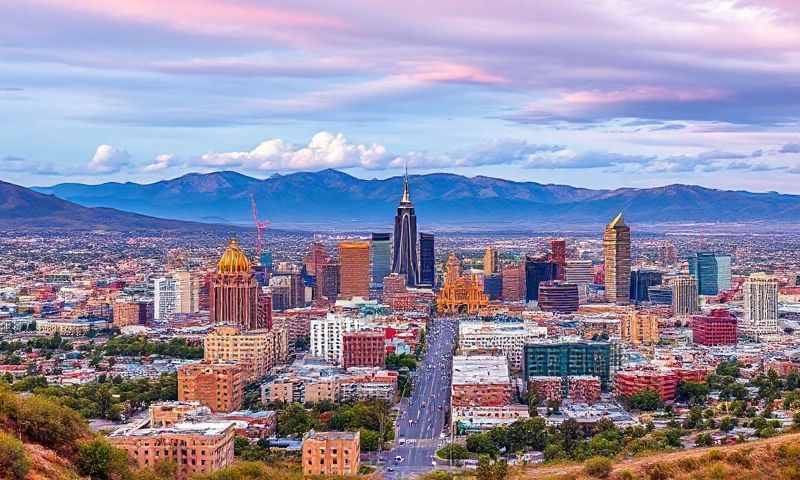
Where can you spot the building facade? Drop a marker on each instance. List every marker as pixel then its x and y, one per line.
pixel 569 358
pixel 331 453
pixel 536 272
pixel 760 319
pixel 354 269
pixel 491 261
pixel 557 296
pixel 381 251
pixel 164 298
pixel 218 386
pixel 326 335
pixel 641 281
pixel 617 256
pixel 712 271
pixel 405 259
pixel 639 328
pixel 427 261
pixel 684 296
pixel 363 349
pixel 513 279
pixel 717 328
pixel 234 291
pixel 256 350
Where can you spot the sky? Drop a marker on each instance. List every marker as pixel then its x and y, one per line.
pixel 600 94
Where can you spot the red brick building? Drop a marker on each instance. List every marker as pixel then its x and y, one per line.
pixel 132 312
pixel 716 328
pixel 664 382
pixel 513 283
pixel 363 349
pixel 584 389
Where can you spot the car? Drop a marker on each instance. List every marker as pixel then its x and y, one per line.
pixel 398 459
pixel 390 469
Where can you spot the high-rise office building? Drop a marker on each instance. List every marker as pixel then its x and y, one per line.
pixel 493 286
pixel 234 291
pixel 760 293
pixel 328 283
pixel 164 301
pixel 617 255
pixel 354 269
pixel 712 271
pixel 641 280
pixel 491 261
pixel 536 272
pixel 581 273
pixel 513 282
pixel 558 254
pixel 557 296
pixel 684 296
pixel 187 292
pixel 660 295
pixel 427 260
pixel 381 251
pixel 405 258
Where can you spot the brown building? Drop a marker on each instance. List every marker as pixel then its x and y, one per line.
pixel 256 350
pixel 196 448
pixel 219 386
pixel 331 453
pixel 617 255
pixel 354 271
pixel 328 281
pixel 363 349
pixel 513 283
pixel 132 312
pixel 234 291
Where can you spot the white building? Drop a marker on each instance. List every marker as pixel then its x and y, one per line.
pixel 326 335
pixel 187 292
pixel 760 306
pixel 581 273
pixel 685 300
pixel 499 337
pixel 164 297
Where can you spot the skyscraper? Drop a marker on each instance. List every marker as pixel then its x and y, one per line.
pixel 354 269
pixel 760 306
pixel 558 254
pixel 513 282
pixel 641 280
pixel 712 271
pixel 234 291
pixel 187 292
pixel 164 301
pixel 427 260
pixel 617 255
pixel 405 259
pixel 684 296
pixel 536 272
pixel 381 257
pixel 491 263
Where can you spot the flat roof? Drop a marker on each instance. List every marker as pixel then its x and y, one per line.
pixel 480 369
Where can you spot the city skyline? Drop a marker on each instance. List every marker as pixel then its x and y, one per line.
pixel 645 94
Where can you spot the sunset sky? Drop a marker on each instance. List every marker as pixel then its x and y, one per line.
pixel 589 93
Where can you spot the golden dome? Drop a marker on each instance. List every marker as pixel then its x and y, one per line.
pixel 233 260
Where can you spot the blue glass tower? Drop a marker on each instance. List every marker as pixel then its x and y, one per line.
pixel 381 252
pixel 712 271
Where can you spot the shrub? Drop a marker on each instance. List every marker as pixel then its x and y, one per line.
pixel 100 460
pixel 14 461
pixel 657 471
pixel 599 467
pixel 625 475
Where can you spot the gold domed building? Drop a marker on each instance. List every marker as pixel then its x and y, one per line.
pixel 234 295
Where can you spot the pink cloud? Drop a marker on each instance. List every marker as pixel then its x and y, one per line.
pixel 444 72
pixel 641 94
pixel 211 17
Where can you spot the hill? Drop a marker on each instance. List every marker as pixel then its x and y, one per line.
pixel 333 197
pixel 770 458
pixel 21 207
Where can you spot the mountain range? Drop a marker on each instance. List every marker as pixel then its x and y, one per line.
pixel 23 208
pixel 330 197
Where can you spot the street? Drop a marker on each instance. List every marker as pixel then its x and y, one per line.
pixel 423 417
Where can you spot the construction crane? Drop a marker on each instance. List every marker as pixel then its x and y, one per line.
pixel 261 225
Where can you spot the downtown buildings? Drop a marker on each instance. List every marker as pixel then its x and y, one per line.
pixel 760 320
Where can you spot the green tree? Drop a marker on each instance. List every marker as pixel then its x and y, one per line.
pixel 727 424
pixel 14 461
pixel 453 451
pixel 695 393
pixel 294 420
pixel 370 440
pixel 100 460
pixel 647 400
pixel 704 440
pixel 481 443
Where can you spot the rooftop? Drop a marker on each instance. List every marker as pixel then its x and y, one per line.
pixel 480 369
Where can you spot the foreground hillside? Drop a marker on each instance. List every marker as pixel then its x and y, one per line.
pixel 768 459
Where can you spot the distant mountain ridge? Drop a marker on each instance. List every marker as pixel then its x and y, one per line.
pixel 334 197
pixel 23 208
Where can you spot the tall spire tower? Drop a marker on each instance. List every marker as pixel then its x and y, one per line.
pixel 405 260
pixel 617 255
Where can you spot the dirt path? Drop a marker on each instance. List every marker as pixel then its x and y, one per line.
pixel 640 462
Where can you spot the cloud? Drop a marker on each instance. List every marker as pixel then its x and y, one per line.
pixel 790 148
pixel 161 162
pixel 108 159
pixel 13 164
pixel 324 150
